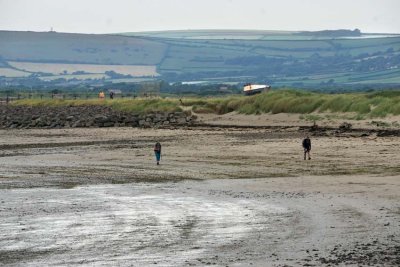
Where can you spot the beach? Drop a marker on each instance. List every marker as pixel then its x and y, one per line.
pixel 222 196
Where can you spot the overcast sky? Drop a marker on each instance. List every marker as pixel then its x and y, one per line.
pixel 101 16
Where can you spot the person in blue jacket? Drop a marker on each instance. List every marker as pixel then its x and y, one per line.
pixel 157 152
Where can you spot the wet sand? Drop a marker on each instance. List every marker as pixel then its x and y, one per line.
pixel 221 197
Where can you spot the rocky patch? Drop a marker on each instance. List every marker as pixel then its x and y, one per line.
pixel 86 116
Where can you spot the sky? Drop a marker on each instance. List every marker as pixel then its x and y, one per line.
pixel 101 16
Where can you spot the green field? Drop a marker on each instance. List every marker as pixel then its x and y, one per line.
pixel 10 72
pixel 74 76
pixel 57 68
pixel 242 35
pixel 51 47
pixel 278 58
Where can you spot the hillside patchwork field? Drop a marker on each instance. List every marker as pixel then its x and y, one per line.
pixel 279 58
pixel 60 69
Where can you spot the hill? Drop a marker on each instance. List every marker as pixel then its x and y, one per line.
pixel 301 59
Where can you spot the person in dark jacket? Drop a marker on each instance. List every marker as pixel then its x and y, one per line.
pixel 157 152
pixel 307 147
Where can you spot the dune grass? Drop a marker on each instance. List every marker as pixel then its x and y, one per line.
pixel 377 104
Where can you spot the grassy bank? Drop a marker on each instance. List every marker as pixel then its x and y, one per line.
pixel 139 106
pixel 377 104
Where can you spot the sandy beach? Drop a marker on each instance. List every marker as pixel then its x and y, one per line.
pixel 222 196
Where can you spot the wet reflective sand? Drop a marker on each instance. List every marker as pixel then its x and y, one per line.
pixel 217 222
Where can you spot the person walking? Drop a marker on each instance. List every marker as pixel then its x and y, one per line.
pixel 157 152
pixel 101 95
pixel 307 147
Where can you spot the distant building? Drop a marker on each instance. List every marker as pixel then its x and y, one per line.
pixel 115 91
